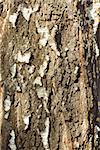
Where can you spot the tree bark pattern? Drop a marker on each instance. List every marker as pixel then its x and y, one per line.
pixel 67 87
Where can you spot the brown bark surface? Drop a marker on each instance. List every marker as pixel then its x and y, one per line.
pixel 49 75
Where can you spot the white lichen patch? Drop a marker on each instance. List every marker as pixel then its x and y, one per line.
pixel 13 18
pixel 95 15
pixel 39 108
pixel 31 69
pixel 26 120
pixel 66 49
pixel 76 144
pixel 44 33
pixel 45 134
pixel 6 115
pixel 1 1
pixel 7 103
pixel 26 12
pixel 98 128
pixel 76 70
pixel 18 88
pixel 43 41
pixel 97 50
pixel 24 58
pixel 97 131
pixel 36 8
pixel 42 93
pixel 37 81
pixel 43 67
pixel 12 144
pixel 13 70
pixel 47 37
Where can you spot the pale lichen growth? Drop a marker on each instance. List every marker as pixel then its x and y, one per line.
pixel 12 144
pixel 7 103
pixel 36 8
pixel 31 69
pixel 97 131
pixel 26 12
pixel 76 144
pixel 39 108
pixel 24 58
pixel 26 121
pixel 44 33
pixel 37 81
pixel 97 50
pixel 76 70
pixel 98 128
pixel 45 134
pixel 43 67
pixel 47 37
pixel 95 14
pixel 13 70
pixel 1 1
pixel 7 106
pixel 42 93
pixel 66 49
pixel 6 115
pixel 13 18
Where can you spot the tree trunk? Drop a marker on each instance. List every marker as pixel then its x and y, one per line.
pixel 49 75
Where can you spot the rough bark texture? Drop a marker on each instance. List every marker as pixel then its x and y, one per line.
pixel 49 75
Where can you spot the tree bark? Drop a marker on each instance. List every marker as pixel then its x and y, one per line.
pixel 49 76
